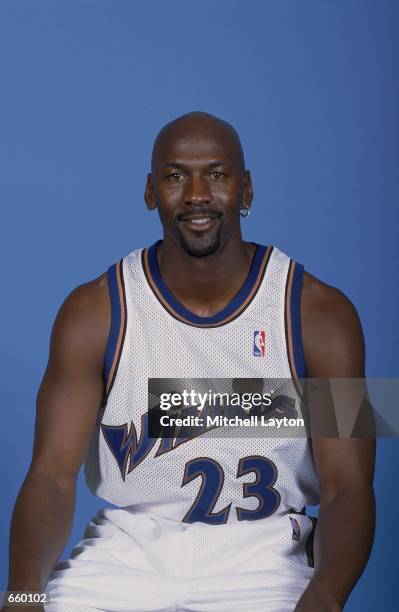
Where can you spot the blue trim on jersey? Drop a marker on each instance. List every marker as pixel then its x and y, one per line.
pixel 296 327
pixel 115 322
pixel 231 307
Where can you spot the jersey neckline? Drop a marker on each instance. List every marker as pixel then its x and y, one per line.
pixel 239 302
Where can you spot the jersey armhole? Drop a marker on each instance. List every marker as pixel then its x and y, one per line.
pixel 295 351
pixel 116 337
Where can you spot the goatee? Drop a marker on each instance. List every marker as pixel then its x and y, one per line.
pixel 201 246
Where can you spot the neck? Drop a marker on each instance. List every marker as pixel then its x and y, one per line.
pixel 205 285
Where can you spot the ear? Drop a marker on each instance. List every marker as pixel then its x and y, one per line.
pixel 149 194
pixel 247 194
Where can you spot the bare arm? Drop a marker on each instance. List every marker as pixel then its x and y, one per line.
pixel 334 348
pixel 68 400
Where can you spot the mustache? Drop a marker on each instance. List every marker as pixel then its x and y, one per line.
pixel 199 212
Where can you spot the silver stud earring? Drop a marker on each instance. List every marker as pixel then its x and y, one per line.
pixel 245 211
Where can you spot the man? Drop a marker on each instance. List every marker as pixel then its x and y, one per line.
pixel 207 522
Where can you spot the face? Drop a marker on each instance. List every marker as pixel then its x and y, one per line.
pixel 198 186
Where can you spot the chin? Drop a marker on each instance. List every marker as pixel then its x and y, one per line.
pixel 201 246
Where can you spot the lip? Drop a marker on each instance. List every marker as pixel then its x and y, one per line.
pixel 199 223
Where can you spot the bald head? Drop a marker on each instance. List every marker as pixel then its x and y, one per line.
pixel 201 130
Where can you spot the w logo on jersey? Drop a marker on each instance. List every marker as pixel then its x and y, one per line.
pixel 259 343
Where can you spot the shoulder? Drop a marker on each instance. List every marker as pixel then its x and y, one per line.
pixel 83 321
pixel 87 301
pixel 332 334
pixel 326 303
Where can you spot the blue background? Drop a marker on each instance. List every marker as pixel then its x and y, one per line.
pixel 311 87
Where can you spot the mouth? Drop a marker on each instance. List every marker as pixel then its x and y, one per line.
pixel 198 223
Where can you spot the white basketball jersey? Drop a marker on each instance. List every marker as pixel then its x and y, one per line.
pixel 222 474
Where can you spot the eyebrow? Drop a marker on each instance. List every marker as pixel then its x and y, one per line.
pixel 182 166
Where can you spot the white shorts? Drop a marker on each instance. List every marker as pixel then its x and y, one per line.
pixel 133 560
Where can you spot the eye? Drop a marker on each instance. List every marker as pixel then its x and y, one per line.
pixel 176 176
pixel 217 174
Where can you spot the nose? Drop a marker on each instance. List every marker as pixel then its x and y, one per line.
pixel 197 191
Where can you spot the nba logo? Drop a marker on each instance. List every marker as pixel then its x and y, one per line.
pixel 259 343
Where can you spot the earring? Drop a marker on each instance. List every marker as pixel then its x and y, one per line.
pixel 245 211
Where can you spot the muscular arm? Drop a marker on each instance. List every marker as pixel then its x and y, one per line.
pixel 67 405
pixel 334 348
